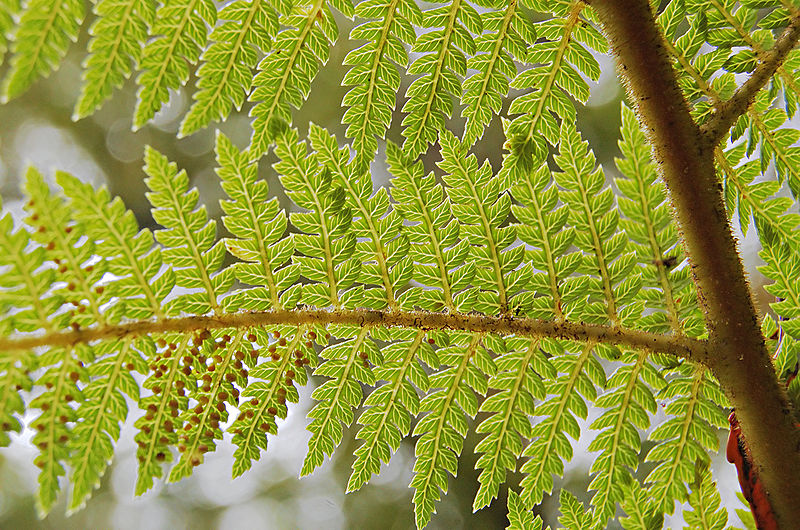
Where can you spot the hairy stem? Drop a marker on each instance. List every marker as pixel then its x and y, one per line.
pixel 677 345
pixel 685 158
pixel 727 112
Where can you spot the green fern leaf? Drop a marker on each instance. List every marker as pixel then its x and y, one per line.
pixel 439 256
pixel 783 267
pixel 285 74
pixel 627 401
pixel 442 62
pixel 246 31
pixel 687 435
pixel 188 236
pixel 706 512
pixel 45 29
pixel 481 208
pixel 9 9
pixel 374 78
pixel 562 57
pixel 666 287
pixel 580 374
pixel 519 518
pixel 272 387
pixel 543 228
pixel 347 365
pixel 507 36
pixel 325 242
pixel 611 281
pixel 224 369
pixel 181 30
pixel 465 366
pixel 573 515
pixel 135 263
pixel 519 383
pixel 389 408
pixel 642 514
pixel 158 428
pixel 118 37
pixel 258 226
pixel 63 367
pixel 381 248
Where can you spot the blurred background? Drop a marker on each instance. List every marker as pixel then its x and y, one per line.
pixel 101 149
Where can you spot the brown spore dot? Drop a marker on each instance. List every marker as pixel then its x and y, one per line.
pixel 272 411
pixel 251 337
pixel 160 456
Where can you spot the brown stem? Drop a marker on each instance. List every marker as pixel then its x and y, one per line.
pixel 677 345
pixel 727 112
pixel 737 353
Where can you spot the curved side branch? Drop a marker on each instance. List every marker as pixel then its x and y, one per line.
pixel 685 158
pixel 679 346
pixel 729 111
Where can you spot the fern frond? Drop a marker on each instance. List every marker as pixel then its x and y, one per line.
pixel 562 57
pixel 580 374
pixel 390 407
pixel 689 433
pixel 666 286
pixel 375 80
pixel 188 236
pixel 520 369
pixel 666 289
pixel 520 518
pixel 100 415
pixel 442 62
pixel 783 268
pixel 765 130
pixel 135 264
pixel 439 256
pixel 641 513
pixel 325 243
pixel 285 74
pixel 347 365
pixel 118 37
pixel 202 422
pixel 43 34
pixel 272 386
pixel 506 37
pixel 245 32
pixel 381 248
pixel 181 30
pixel 132 257
pixel 543 228
pixel 573 515
pixel 25 287
pixel 258 226
pixel 611 281
pixel 465 366
pixel 482 209
pixel 9 9
pixel 753 199
pixel 732 26
pixel 628 401
pixel 706 512
pixel 172 362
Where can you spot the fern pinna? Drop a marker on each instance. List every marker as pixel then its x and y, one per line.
pixel 527 303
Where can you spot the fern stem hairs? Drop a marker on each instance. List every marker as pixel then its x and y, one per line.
pixel 444 264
